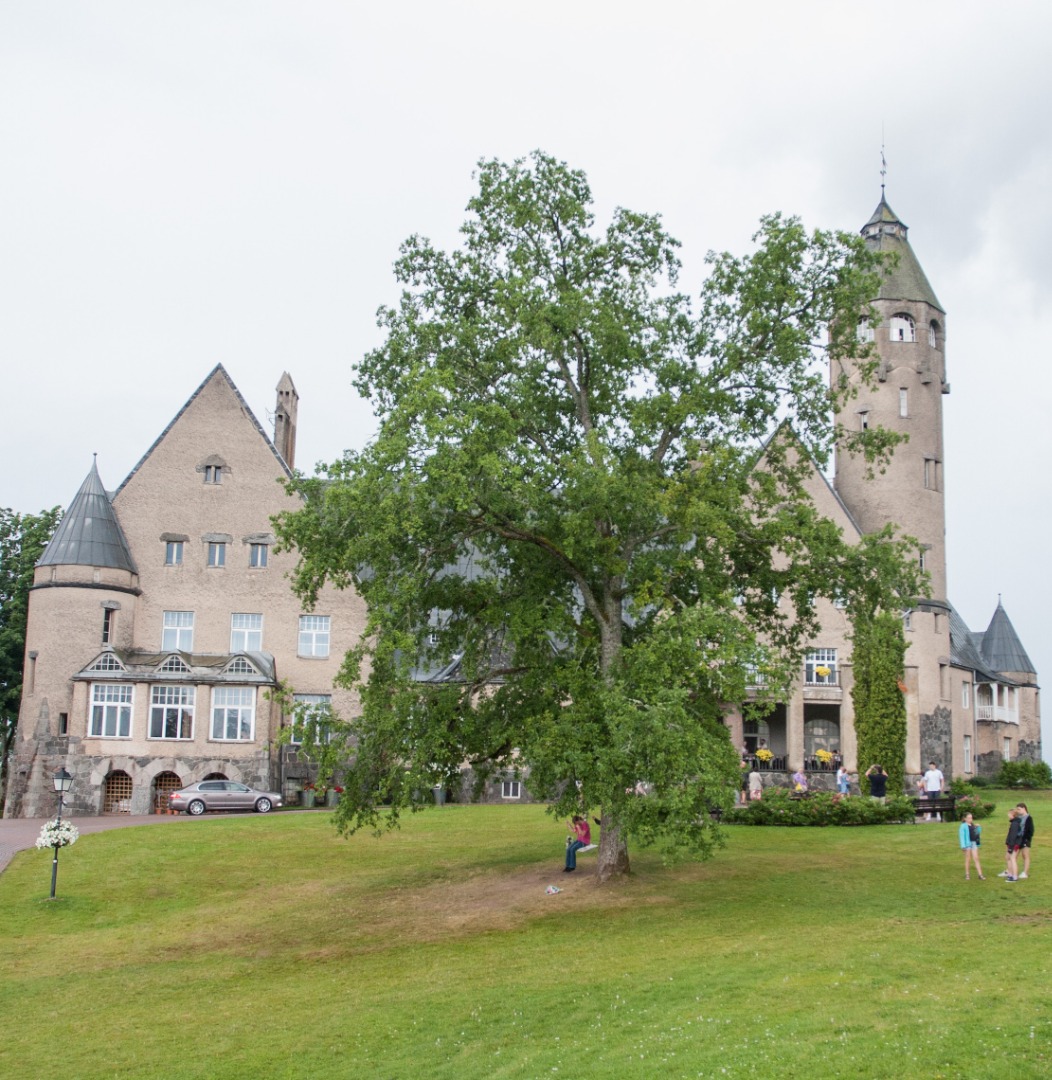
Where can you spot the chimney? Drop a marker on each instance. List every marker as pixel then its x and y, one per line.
pixel 285 419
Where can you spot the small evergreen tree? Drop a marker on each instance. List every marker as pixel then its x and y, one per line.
pixel 880 706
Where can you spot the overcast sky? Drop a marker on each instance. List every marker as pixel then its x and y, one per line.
pixel 187 183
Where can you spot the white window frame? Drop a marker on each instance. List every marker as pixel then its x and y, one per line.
pixel 171 703
pixel 966 695
pixel 310 699
pixel 967 753
pixel 246 632
pixel 902 327
pixel 217 554
pixel 933 336
pixel 177 631
pixel 112 706
pixel 233 714
pixel 511 789
pixel 173 553
pixel 258 556
pixel 864 332
pixel 904 403
pixel 315 636
pixel 213 474
pixel 1006 749
pixel 816 658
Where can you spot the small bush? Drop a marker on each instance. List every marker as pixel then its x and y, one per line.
pixel 982 781
pixel 778 807
pixel 1025 774
pixel 974 805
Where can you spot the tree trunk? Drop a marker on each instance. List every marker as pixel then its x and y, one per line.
pixel 613 851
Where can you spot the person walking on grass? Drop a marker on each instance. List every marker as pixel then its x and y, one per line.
pixel 1026 836
pixel 968 835
pixel 582 837
pixel 1011 846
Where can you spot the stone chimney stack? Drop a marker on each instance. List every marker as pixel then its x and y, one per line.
pixel 285 419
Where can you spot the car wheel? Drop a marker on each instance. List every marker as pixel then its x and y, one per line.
pixel 263 806
pixel 196 808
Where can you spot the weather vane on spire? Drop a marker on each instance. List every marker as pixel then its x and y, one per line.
pixel 883 162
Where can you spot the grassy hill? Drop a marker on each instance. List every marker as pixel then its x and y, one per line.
pixel 269 947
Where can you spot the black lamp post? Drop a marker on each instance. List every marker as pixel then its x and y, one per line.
pixel 63 782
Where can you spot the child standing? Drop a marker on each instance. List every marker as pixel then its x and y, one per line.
pixel 968 836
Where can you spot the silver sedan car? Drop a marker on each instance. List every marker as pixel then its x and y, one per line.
pixel 222 795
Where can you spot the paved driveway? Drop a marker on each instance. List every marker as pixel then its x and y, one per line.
pixel 17 834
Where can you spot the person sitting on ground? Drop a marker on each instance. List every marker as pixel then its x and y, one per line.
pixel 582 838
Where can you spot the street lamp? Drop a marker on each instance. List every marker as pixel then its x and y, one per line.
pixel 63 782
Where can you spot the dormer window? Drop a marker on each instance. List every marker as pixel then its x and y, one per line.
pixel 240 666
pixel 174 665
pixel 903 328
pixel 107 662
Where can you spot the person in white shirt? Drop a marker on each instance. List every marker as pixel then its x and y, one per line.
pixel 933 781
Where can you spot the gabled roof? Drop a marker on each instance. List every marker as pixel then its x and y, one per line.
pixel 218 372
pixel 884 232
pixel 1001 648
pixel 89 533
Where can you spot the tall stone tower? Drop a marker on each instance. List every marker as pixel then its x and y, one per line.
pixel 910 339
pixel 82 604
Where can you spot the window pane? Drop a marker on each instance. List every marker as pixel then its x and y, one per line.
pixel 246 632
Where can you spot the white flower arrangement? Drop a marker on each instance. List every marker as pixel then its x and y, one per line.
pixel 57 834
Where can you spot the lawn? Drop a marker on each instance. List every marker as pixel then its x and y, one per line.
pixel 269 947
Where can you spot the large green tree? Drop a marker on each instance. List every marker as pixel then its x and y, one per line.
pixel 23 538
pixel 575 509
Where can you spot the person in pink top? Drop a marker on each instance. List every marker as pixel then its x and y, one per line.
pixel 582 838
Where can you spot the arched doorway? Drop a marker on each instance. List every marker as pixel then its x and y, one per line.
pixel 118 793
pixel 163 785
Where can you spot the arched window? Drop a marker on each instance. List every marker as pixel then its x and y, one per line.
pixel 933 334
pixel 821 734
pixel 865 330
pixel 903 328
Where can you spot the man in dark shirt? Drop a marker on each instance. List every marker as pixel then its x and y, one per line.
pixel 878 783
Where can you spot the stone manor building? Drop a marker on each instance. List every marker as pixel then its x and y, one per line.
pixel 161 616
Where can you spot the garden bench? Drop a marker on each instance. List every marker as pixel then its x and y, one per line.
pixel 943 805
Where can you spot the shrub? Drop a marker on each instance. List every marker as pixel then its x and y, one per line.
pixel 777 807
pixel 1025 774
pixel 974 805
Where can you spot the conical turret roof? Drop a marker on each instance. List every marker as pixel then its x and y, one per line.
pixel 89 533
pixel 1001 648
pixel 885 232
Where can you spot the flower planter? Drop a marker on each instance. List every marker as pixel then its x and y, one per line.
pixel 331 797
pixel 307 799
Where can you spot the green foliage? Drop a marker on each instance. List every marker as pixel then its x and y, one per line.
pixel 319 733
pixel 1024 774
pixel 878 651
pixel 23 538
pixel 779 807
pixel 973 804
pixel 564 507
